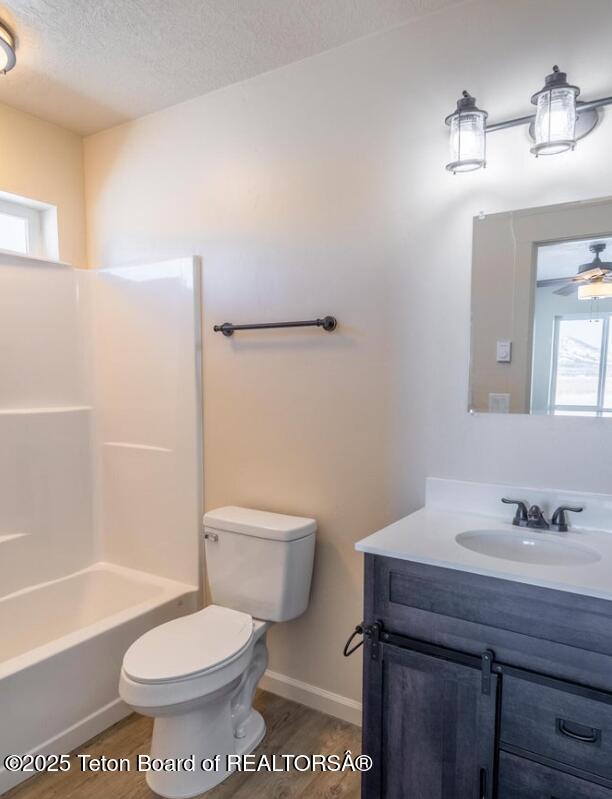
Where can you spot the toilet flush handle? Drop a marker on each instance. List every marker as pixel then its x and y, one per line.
pixel 212 537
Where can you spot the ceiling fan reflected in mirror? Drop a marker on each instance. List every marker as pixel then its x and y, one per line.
pixel 593 280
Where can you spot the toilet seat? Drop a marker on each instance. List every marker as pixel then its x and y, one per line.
pixel 189 647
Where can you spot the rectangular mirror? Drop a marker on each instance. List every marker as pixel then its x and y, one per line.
pixel 541 339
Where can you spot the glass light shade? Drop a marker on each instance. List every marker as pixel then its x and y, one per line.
pixel 595 290
pixel 467 136
pixel 554 129
pixel 7 50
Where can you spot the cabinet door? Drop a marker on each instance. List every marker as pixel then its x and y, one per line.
pixel 429 725
pixel 524 779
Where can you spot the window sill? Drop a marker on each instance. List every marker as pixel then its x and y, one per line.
pixel 35 260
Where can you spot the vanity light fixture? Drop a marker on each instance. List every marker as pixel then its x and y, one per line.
pixel 554 126
pixel 559 121
pixel 7 50
pixel 468 140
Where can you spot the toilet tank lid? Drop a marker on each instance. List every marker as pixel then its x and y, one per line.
pixel 259 523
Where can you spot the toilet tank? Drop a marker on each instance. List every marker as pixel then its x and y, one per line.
pixel 259 562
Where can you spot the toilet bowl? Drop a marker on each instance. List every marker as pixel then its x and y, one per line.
pixel 197 675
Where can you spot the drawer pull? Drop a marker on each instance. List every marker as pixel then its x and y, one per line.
pixel 578 732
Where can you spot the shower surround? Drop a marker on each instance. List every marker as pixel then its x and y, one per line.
pixel 100 489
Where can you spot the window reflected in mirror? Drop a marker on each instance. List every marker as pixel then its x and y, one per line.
pixel 571 336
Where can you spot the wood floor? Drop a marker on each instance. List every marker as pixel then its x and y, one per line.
pixel 292 729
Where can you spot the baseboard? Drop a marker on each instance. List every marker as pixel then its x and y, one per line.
pixel 312 696
pixel 70 739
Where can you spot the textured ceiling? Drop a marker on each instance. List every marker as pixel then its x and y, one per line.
pixel 90 64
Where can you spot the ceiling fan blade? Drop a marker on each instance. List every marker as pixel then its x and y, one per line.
pixel 553 281
pixel 591 273
pixel 568 289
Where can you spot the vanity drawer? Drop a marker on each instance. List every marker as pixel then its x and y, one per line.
pixel 520 778
pixel 404 590
pixel 572 726
pixel 539 629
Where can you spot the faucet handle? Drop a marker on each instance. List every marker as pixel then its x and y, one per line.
pixel 521 515
pixel 559 519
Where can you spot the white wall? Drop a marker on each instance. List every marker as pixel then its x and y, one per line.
pixel 320 188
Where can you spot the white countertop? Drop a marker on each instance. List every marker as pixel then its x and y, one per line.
pixel 428 536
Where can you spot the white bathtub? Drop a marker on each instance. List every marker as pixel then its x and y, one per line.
pixel 61 647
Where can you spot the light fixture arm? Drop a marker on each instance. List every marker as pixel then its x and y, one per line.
pixel 591 105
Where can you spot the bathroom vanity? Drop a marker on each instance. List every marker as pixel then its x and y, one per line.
pixel 487 675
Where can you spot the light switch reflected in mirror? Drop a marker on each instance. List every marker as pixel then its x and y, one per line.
pixel 541 308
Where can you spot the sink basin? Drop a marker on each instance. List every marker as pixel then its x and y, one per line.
pixel 527 547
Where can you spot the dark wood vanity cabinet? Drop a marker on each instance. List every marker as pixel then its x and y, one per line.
pixel 482 688
pixel 435 727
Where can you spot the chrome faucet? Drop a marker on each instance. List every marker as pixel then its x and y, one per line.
pixel 534 518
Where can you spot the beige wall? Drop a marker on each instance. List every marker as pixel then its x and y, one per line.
pixel 271 192
pixel 501 310
pixel 320 188
pixel 44 162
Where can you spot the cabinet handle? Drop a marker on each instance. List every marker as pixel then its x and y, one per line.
pixel 348 649
pixel 483 783
pixel 586 735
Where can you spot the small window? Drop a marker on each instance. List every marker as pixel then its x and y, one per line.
pixel 14 233
pixel 28 227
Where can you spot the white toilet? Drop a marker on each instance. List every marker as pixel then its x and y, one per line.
pixel 197 675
